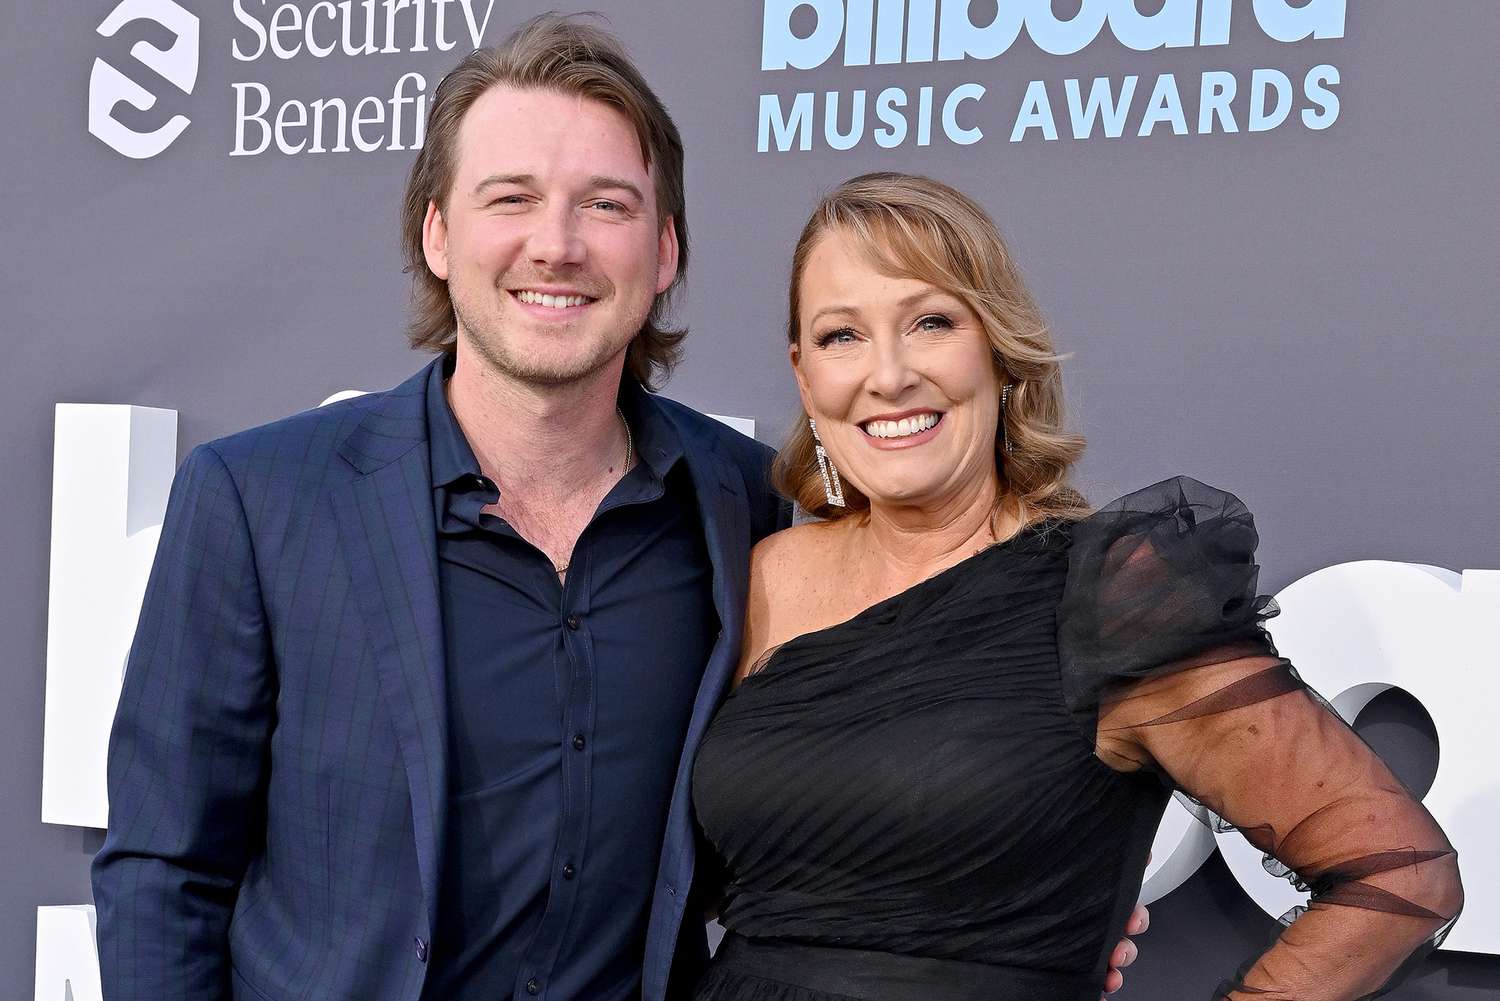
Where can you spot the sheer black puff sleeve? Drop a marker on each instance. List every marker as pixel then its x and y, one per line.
pixel 1167 666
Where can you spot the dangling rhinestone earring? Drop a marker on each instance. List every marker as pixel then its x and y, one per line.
pixel 1004 431
pixel 833 487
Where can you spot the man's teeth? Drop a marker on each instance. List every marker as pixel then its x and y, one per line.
pixel 552 301
pixel 902 428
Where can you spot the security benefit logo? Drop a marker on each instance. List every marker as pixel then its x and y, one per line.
pixel 110 87
pixel 271 34
pixel 864 35
pixel 263 39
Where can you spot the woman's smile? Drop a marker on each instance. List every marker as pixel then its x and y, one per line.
pixel 907 429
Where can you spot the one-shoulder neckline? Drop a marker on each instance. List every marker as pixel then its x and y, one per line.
pixel 1037 530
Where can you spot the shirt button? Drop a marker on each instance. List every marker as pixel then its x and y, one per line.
pixel 578 742
pixel 573 622
pixel 533 987
pixel 568 871
pixel 421 950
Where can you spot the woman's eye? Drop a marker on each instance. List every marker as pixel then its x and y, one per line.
pixel 934 321
pixel 843 335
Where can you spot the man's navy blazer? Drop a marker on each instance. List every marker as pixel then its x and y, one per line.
pixel 277 769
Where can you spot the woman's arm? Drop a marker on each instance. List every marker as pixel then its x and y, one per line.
pixel 1248 740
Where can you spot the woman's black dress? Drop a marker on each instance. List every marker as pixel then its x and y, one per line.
pixel 909 804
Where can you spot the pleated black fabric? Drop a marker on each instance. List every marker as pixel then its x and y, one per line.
pixel 926 779
pixel 911 781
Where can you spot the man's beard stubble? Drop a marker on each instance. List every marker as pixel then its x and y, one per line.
pixel 487 339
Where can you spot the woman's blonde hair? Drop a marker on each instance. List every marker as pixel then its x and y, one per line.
pixel 916 227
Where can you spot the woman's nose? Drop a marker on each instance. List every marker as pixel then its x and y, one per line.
pixel 892 374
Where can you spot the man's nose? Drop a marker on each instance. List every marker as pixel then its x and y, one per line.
pixel 555 240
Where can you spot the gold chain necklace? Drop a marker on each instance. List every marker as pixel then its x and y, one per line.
pixel 629 460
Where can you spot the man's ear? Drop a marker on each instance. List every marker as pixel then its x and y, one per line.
pixel 666 255
pixel 435 241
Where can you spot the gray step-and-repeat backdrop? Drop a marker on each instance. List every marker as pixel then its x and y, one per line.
pixel 1264 229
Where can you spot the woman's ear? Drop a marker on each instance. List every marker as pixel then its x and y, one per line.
pixel 794 354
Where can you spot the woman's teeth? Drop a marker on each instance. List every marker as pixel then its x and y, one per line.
pixel 552 301
pixel 904 427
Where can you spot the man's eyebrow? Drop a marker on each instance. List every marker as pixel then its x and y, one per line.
pixel 598 181
pixel 495 179
pixel 617 184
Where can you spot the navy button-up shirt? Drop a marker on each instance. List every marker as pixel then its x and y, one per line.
pixel 568 704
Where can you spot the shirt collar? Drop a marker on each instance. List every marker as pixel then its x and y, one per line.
pixel 658 445
pixel 451 457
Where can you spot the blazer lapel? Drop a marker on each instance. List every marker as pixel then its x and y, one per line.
pixel 389 538
pixel 723 507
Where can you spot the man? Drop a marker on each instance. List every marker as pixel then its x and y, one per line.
pixel 411 707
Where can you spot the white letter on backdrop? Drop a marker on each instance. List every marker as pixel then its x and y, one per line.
pixel 112 470
pixel 1315 18
pixel 780 47
pixel 67 959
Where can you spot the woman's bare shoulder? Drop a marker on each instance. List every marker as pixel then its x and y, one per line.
pixel 786 559
pixel 786 571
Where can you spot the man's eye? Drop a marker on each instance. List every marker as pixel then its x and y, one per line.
pixel 606 205
pixel 508 200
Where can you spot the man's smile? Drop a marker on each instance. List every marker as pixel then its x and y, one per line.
pixel 552 304
pixel 551 300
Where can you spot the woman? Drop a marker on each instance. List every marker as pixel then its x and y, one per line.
pixel 965 701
